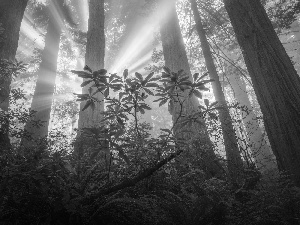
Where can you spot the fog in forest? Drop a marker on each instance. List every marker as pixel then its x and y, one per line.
pixel 149 112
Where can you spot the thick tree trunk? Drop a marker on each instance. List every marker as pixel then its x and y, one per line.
pixel 275 81
pixel 94 58
pixel 261 152
pixel 45 85
pixel 235 163
pixel 176 59
pixel 11 14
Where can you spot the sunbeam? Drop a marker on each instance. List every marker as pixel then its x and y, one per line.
pixel 141 62
pixel 85 13
pixel 135 46
pixel 141 38
pixel 35 35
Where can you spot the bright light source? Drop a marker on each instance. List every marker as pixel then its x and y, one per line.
pixel 33 34
pixel 141 38
pixel 142 61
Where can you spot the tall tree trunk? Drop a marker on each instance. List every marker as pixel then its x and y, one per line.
pixel 94 58
pixel 176 59
pixel 45 85
pixel 260 150
pixel 235 163
pixel 11 14
pixel 275 81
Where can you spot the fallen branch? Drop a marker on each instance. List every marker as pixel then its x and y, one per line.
pixel 131 182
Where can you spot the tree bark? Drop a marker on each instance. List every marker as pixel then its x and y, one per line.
pixel 45 85
pixel 275 81
pixel 94 58
pixel 235 163
pixel 11 15
pixel 176 59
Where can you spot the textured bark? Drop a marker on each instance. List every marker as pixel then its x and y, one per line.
pixel 94 58
pixel 176 59
pixel 275 81
pixel 235 163
pixel 261 152
pixel 45 85
pixel 11 14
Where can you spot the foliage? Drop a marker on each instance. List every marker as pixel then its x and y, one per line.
pixel 132 93
pixel 283 13
pixel 148 181
pixel 10 69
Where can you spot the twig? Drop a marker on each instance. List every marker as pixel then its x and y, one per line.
pixel 133 181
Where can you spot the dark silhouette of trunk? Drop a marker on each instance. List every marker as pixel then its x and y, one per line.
pixel 94 58
pixel 45 85
pixel 11 14
pixel 176 59
pixel 275 81
pixel 234 161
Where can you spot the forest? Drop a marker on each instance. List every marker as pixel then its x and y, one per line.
pixel 149 112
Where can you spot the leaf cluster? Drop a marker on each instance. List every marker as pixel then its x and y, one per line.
pixel 10 69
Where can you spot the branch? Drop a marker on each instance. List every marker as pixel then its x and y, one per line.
pixel 131 182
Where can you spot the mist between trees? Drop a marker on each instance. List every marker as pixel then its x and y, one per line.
pixel 149 112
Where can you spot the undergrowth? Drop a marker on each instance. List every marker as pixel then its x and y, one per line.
pixel 141 180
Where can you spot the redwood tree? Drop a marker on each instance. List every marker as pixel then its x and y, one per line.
pixel 235 164
pixel 94 59
pixel 264 159
pixel 45 85
pixel 275 81
pixel 176 59
pixel 11 14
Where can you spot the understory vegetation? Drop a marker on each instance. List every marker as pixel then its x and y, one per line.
pixel 120 174
pixel 149 112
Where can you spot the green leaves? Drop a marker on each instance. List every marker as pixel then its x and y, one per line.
pixel 131 96
pixel 152 85
pixel 171 88
pixel 83 74
pixel 197 93
pixel 195 76
pixel 209 109
pixel 125 74
pixel 106 92
pixel 141 108
pixel 82 97
pixel 89 103
pixel 86 83
pixel 206 102
pixel 149 77
pixel 10 68
pixel 167 70
pixel 88 69
pixel 139 76
pixel 209 106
